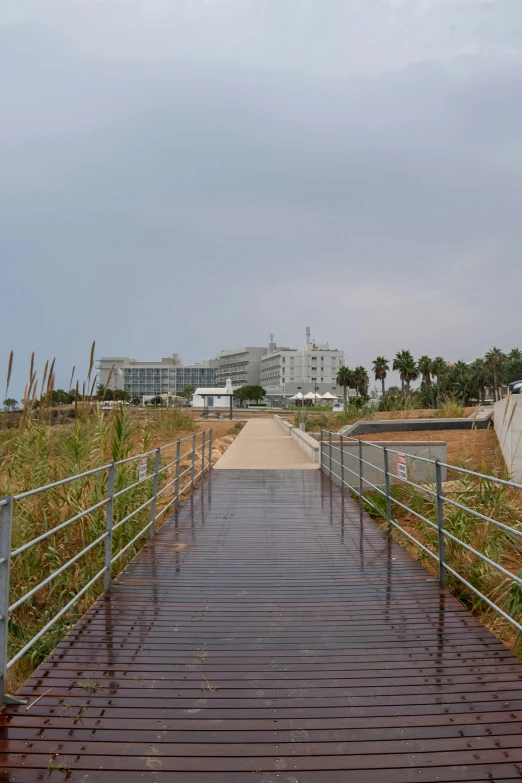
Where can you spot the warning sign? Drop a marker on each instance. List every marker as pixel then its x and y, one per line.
pixel 402 469
pixel 143 468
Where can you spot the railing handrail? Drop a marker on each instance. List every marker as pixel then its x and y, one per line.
pixel 504 482
pixel 327 443
pixel 196 454
pixel 68 479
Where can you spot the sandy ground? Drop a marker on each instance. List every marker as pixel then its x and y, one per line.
pixel 262 445
pixel 477 448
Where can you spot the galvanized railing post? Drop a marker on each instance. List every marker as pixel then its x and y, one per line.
pixel 209 449
pixel 330 454
pixel 5 569
pixel 341 440
pixel 387 483
pixel 108 525
pixel 203 442
pixel 321 451
pixel 193 461
pixel 178 460
pixel 360 473
pixel 440 522
pixel 154 492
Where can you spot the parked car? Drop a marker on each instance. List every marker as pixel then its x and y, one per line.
pixel 515 387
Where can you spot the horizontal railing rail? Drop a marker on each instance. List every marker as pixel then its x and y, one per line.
pixel 345 460
pixel 193 450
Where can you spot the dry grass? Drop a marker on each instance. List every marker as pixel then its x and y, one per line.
pixel 500 503
pixel 476 449
pixel 33 454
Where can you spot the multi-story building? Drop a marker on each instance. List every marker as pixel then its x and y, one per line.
pixel 287 371
pixel 241 365
pixel 169 376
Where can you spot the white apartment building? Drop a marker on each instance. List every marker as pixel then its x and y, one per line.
pixel 169 376
pixel 286 371
pixel 241 365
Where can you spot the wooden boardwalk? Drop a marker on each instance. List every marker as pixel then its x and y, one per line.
pixel 271 633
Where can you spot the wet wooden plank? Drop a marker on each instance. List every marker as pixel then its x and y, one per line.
pixel 270 632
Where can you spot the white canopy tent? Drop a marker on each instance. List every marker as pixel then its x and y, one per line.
pixel 297 396
pixel 329 396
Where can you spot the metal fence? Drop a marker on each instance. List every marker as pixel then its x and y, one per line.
pixel 343 460
pixel 194 449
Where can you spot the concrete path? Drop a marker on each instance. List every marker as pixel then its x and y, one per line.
pixel 262 445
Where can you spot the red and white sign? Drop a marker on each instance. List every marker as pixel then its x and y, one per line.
pixel 143 468
pixel 402 468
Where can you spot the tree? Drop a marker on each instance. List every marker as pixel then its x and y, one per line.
pixel 120 395
pixel 157 401
pixel 380 370
pixel 495 361
pixel 240 396
pixel 425 368
pixel 10 403
pixel 404 363
pixel 344 380
pixel 515 354
pixel 438 367
pixel 59 397
pixel 252 393
pixel 187 392
pixel 513 370
pixel 478 379
pixel 360 380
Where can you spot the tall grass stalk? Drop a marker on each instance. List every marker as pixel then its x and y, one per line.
pixel 36 454
pixel 504 504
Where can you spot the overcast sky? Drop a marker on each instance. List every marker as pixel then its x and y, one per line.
pixel 192 175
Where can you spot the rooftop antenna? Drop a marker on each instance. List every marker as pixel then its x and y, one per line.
pixel 272 336
pixel 308 335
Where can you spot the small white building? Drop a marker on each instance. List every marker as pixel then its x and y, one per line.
pixel 213 397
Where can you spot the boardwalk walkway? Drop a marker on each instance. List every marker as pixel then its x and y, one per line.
pixel 262 445
pixel 271 634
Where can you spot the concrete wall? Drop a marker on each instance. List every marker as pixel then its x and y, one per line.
pixel 306 442
pixel 508 426
pixel 480 421
pixel 418 472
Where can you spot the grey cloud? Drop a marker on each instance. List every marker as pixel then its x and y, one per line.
pixel 190 202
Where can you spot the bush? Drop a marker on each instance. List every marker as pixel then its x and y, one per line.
pixel 450 409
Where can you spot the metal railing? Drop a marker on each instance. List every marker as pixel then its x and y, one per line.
pixel 151 472
pixel 342 458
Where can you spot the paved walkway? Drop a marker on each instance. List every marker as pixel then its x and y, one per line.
pixel 262 445
pixel 270 633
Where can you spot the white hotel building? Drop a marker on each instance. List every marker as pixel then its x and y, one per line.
pixel 287 371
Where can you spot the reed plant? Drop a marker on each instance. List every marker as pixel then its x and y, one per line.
pixel 35 454
pixel 501 503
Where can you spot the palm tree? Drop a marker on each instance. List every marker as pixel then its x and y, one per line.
pixel 495 360
pixel 380 370
pixel 405 364
pixel 360 380
pixel 439 365
pixel 425 367
pixel 344 379
pixel 515 353
pixel 479 379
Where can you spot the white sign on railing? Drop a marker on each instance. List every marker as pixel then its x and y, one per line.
pixel 143 468
pixel 402 468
